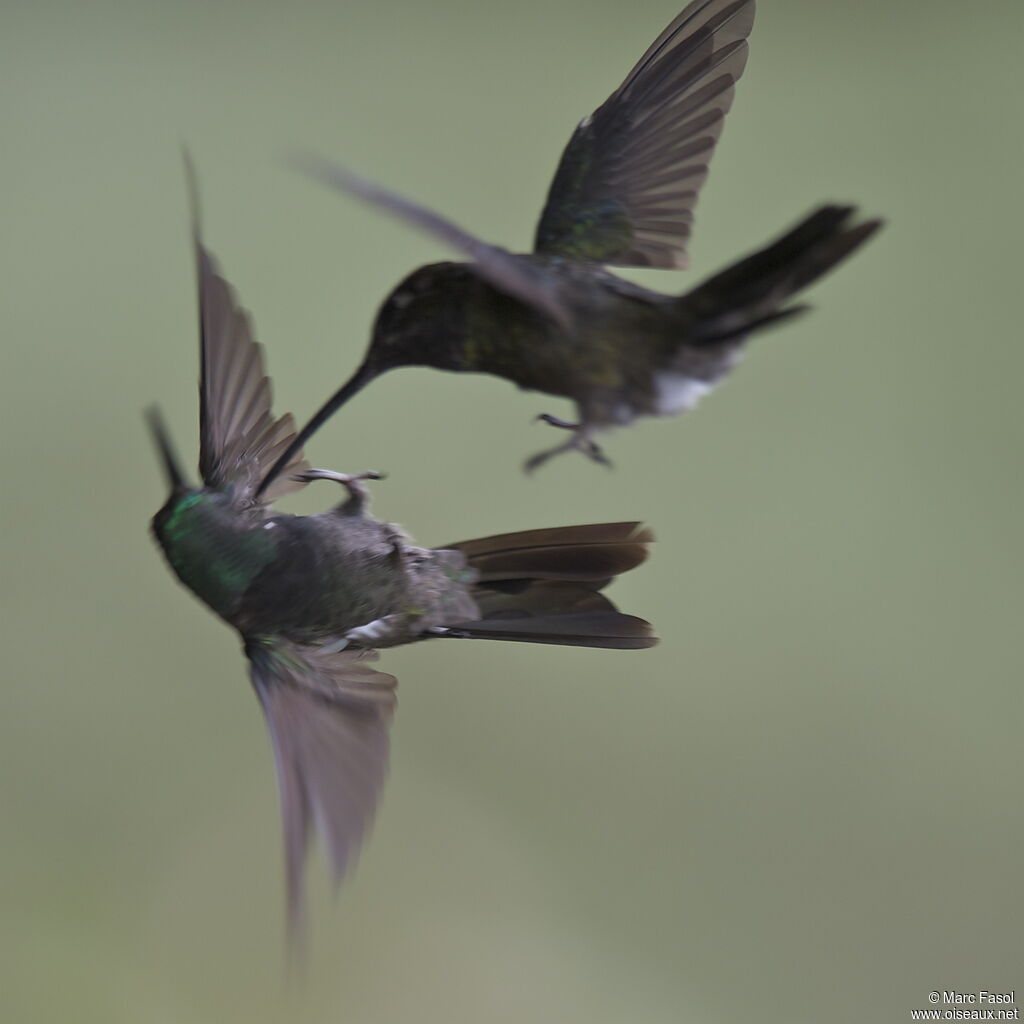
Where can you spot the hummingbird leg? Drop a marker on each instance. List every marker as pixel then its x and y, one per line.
pixel 581 441
pixel 557 421
pixel 358 495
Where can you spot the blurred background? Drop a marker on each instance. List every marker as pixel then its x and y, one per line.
pixel 803 806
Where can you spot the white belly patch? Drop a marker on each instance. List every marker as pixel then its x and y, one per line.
pixel 676 392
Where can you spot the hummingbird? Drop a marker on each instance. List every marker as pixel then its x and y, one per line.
pixel 314 597
pixel 556 320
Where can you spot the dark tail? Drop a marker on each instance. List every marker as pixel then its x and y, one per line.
pixel 543 586
pixel 751 293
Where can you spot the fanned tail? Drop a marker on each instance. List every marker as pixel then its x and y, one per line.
pixel 751 294
pixel 543 586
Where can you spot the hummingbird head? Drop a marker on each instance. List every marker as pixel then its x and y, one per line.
pixel 419 324
pixel 212 549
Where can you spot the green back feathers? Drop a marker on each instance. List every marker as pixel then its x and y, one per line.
pixel 216 554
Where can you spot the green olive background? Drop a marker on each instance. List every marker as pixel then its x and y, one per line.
pixel 803 806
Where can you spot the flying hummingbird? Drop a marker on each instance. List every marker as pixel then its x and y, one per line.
pixel 555 320
pixel 313 596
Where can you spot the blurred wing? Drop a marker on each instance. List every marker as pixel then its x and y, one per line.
pixel 328 716
pixel 511 274
pixel 629 178
pixel 239 439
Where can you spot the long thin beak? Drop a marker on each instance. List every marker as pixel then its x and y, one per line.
pixel 164 449
pixel 355 383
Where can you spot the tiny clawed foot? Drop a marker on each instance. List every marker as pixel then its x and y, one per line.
pixel 595 452
pixel 358 495
pixel 580 441
pixel 342 478
pixel 557 421
pixel 536 461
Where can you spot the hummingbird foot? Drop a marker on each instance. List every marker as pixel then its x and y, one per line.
pixel 358 494
pixel 581 441
pixel 557 421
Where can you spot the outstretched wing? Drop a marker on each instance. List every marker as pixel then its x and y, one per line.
pixel 514 275
pixel 239 439
pixel 328 716
pixel 629 178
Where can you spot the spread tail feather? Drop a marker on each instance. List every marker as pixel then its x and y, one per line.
pixel 542 586
pixel 751 293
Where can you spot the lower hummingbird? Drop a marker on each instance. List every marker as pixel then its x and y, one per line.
pixel 313 597
pixel 555 320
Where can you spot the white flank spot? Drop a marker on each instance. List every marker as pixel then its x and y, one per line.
pixel 677 392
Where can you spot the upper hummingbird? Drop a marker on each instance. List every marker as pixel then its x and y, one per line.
pixel 312 596
pixel 555 320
